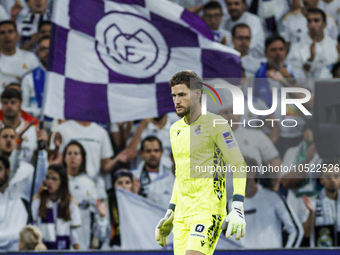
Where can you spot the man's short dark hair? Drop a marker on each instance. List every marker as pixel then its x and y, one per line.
pixel 151 138
pixel 11 22
pixel 212 5
pixel 11 93
pixel 46 37
pixel 13 84
pixel 273 39
pixel 45 22
pixel 240 25
pixel 184 77
pixel 319 11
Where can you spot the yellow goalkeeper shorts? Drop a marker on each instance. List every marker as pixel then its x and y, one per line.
pixel 198 232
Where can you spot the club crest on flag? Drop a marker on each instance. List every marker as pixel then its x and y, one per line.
pixel 126 41
pixel 110 56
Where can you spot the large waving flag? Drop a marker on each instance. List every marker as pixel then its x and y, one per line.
pixel 111 60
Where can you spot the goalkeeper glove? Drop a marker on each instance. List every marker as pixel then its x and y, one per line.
pixel 235 221
pixel 164 228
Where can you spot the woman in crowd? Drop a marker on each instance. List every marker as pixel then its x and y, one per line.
pixel 30 239
pixel 55 212
pixel 93 212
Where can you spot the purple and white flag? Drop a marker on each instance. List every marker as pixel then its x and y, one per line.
pixel 111 60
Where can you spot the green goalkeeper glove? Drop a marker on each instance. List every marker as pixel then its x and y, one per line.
pixel 235 221
pixel 164 228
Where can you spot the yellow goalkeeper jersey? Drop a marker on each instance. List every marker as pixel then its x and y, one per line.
pixel 198 150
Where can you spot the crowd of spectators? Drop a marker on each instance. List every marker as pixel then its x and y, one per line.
pixel 282 43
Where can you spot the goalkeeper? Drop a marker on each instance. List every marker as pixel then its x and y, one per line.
pixel 197 208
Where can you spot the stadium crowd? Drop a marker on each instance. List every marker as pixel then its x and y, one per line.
pixel 80 164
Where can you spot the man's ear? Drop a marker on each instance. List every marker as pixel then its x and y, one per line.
pixel 199 93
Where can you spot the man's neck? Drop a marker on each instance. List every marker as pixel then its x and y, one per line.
pixel 14 123
pixel 332 195
pixel 318 38
pixel 275 66
pixel 161 123
pixel 152 169
pixel 4 187
pixel 84 123
pixel 251 188
pixel 195 114
pixel 9 52
pixel 236 19
pixel 243 54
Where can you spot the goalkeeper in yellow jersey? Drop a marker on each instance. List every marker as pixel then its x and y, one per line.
pixel 197 210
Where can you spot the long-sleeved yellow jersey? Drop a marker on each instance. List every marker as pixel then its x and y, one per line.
pixel 198 150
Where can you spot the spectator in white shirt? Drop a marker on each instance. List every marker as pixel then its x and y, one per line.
pixel 271 13
pixel 14 62
pixel 238 14
pixel 273 74
pixel 33 83
pixel 98 148
pixel 241 38
pixel 317 50
pixel 13 208
pixel 82 188
pixel 253 143
pixel 56 213
pixel 295 23
pixel 268 215
pixel 153 166
pixel 303 182
pixel 212 15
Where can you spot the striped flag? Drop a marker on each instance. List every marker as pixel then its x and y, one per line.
pixel 111 60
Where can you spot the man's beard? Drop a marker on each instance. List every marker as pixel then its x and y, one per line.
pixel 185 112
pixel 332 190
pixel 152 166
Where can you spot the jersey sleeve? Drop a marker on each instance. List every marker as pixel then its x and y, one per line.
pixel 173 199
pixel 225 140
pixel 75 215
pixel 290 222
pixel 106 148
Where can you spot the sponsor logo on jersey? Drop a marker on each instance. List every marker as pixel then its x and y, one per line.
pixel 178 131
pixel 229 140
pixel 199 228
pixel 198 235
pixel 202 243
pixel 198 129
